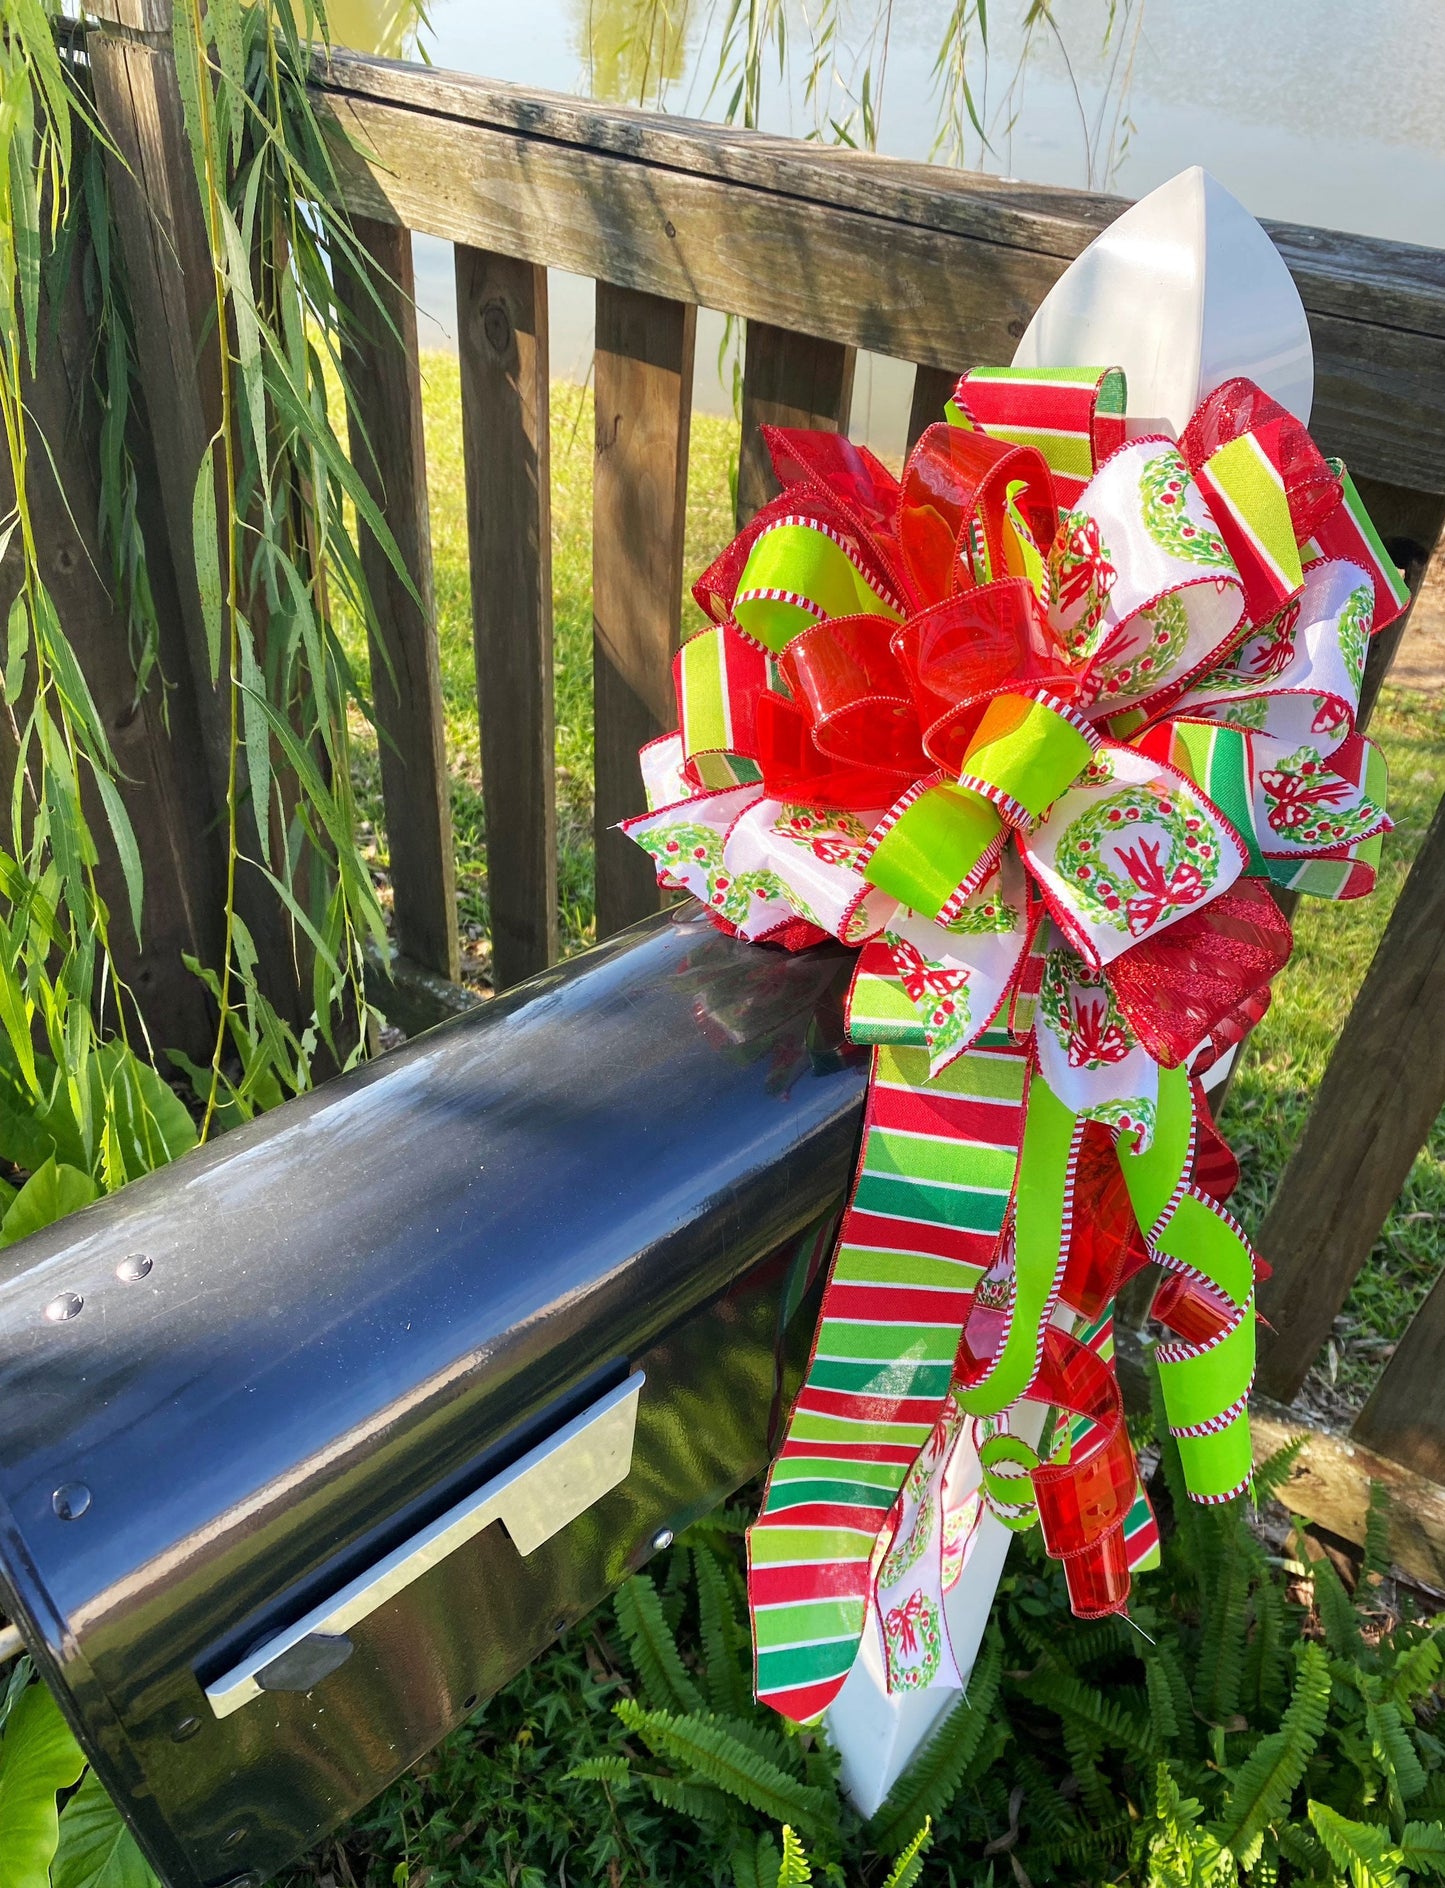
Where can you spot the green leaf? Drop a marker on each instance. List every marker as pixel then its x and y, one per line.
pixel 17 645
pixel 38 1758
pixel 723 1638
pixel 37 1117
pixel 1423 1848
pixel 1269 1776
pixel 708 1746
pixel 1394 1753
pixel 205 543
pixel 257 736
pixel 1336 1611
pixel 1376 1559
pixel 123 835
pixel 1181 1853
pixel 699 1800
pixel 665 1681
pixel 793 1871
pixel 1112 1719
pixel 909 1866
pixel 49 1194
pixel 96 1849
pixel 20 1674
pixel 755 1861
pixel 604 1769
pixel 1416 1671
pixel 149 1122
pixel 1364 1848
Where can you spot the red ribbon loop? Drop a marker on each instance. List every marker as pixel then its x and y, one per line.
pixel 856 692
pixel 962 652
pixel 1311 487
pixel 957 482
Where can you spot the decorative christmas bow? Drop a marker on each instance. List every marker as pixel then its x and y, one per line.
pixel 1037 726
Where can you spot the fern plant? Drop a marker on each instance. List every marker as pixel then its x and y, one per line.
pixel 1231 1733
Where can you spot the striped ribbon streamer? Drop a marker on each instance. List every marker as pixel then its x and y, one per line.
pixel 933 1186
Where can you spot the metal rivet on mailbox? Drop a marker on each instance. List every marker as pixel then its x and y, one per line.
pixel 132 1268
pixel 186 1728
pixel 70 1500
pixel 662 1538
pixel 67 1305
pixel 234 1839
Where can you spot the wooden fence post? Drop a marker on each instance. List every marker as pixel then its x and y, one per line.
pixel 1381 1092
pixel 643 379
pixel 389 452
pixel 167 258
pixel 788 380
pixel 932 387
pixel 161 780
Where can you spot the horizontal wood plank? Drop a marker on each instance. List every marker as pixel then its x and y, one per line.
pixel 388 451
pixel 643 380
pixel 788 380
pixel 1400 283
pixel 941 268
pixel 506 432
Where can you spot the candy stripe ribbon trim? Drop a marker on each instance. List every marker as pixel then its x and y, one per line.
pixel 932 1190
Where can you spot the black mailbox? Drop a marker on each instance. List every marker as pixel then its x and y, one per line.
pixel 258 1413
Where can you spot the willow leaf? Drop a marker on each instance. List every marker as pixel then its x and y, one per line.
pixel 206 547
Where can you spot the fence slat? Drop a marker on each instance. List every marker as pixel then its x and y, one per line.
pixel 389 453
pixel 1405 1416
pixel 932 387
pixel 789 379
pixel 643 379
pixel 502 339
pixel 1384 1086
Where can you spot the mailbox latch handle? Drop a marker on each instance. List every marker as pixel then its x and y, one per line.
pixel 533 1499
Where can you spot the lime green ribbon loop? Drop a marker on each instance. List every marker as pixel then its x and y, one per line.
pixel 794 577
pixel 1040 1249
pixel 1204 1386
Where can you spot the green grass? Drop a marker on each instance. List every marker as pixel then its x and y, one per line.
pixel 713 450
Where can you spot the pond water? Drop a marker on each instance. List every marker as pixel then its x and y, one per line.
pixel 1315 111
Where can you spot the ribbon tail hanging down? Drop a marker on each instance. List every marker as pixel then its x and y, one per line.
pixel 931 1196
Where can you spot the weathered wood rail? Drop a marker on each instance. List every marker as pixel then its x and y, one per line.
pixel 820 253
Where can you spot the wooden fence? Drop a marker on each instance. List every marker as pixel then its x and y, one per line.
pixel 820 253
